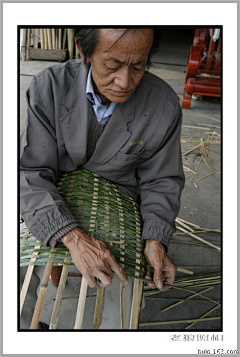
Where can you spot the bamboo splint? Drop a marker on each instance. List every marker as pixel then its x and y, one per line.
pixel 189 231
pixel 81 304
pixel 59 296
pixel 98 308
pixel 26 281
pixel 84 285
pixel 42 294
pixel 137 292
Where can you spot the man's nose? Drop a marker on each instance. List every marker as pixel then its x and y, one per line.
pixel 124 79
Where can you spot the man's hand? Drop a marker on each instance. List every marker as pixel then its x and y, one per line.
pixel 93 258
pixel 164 270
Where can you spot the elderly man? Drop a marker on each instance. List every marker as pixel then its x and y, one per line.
pixel 110 116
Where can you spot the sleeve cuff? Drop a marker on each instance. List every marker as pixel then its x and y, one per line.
pixel 159 230
pixel 56 238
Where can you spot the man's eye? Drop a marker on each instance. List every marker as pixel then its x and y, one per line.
pixel 137 69
pixel 112 68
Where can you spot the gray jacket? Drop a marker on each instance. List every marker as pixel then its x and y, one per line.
pixel 139 150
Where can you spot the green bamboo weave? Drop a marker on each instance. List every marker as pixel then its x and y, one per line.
pixel 103 211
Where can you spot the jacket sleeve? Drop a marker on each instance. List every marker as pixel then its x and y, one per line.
pixel 42 207
pixel 161 180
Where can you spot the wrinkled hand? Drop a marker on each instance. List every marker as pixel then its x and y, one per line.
pixel 164 270
pixel 93 258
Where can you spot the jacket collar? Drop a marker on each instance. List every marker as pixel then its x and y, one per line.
pixel 76 96
pixel 77 123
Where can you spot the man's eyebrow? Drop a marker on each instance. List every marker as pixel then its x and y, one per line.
pixel 120 62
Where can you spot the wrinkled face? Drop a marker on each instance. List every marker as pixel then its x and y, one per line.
pixel 117 68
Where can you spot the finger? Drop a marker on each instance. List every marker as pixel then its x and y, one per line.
pixel 102 265
pixel 117 269
pixel 151 285
pixel 121 274
pixel 104 278
pixel 169 281
pixel 87 273
pixel 169 278
pixel 92 282
pixel 158 278
pixel 165 288
pixel 170 274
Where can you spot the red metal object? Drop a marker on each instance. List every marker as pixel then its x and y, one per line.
pixel 203 70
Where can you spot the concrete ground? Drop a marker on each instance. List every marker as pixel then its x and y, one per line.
pixel 201 205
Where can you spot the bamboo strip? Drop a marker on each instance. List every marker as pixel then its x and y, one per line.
pixel 174 299
pixel 187 222
pixel 60 39
pixel 184 225
pixel 215 136
pixel 213 126
pixel 35 38
pixel 209 230
pixel 194 127
pixel 27 43
pixel 70 43
pixel 206 116
pixel 217 282
pixel 192 149
pixel 188 298
pixel 45 39
pixel 189 170
pixel 98 308
pixel 42 294
pixel 185 271
pixel 197 278
pixel 81 304
pixel 57 39
pixel 211 173
pixel 53 39
pixel 192 291
pixel 26 281
pixel 42 39
pixel 84 285
pixel 21 42
pixel 205 161
pixel 179 321
pixel 197 166
pixel 123 308
pixel 188 242
pixel 136 303
pixel 59 295
pixel 49 35
pixel 207 313
pixel 200 239
pixel 137 296
pixel 24 45
pixel 64 39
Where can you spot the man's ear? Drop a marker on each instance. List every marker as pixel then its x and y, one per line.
pixel 80 51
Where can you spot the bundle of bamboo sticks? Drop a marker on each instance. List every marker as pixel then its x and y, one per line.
pixel 200 150
pixel 47 39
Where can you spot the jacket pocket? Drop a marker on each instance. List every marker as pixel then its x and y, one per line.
pixel 127 159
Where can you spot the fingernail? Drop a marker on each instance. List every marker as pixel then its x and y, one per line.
pixel 159 285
